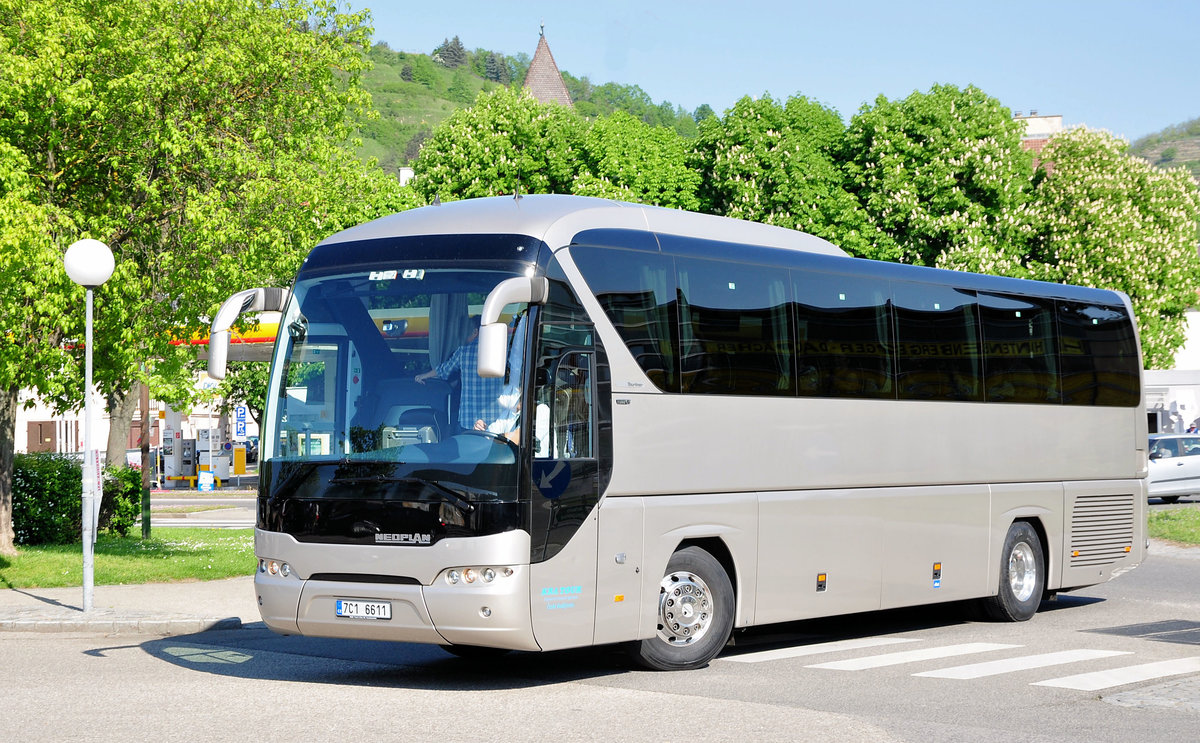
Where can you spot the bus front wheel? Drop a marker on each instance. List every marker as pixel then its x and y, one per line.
pixel 1022 576
pixel 695 614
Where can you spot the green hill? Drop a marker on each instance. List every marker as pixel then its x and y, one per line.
pixel 413 93
pixel 1174 146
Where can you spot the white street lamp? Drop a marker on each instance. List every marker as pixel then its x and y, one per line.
pixel 89 263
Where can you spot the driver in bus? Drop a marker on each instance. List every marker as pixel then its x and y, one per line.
pixel 485 403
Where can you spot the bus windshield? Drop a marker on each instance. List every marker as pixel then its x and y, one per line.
pixel 381 367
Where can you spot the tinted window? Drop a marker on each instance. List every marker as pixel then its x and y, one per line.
pixel 735 335
pixel 1019 359
pixel 937 343
pixel 561 305
pixel 843 336
pixel 1100 363
pixel 637 292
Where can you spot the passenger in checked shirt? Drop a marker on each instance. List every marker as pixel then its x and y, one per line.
pixel 480 406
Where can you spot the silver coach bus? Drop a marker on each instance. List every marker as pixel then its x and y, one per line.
pixel 548 422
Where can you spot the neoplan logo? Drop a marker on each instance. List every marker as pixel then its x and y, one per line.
pixel 403 538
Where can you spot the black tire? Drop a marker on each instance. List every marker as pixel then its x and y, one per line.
pixel 1169 498
pixel 1022 576
pixel 695 614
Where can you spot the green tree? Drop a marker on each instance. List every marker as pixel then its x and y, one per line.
pixel 775 163
pixel 496 69
pixel 245 383
pixel 460 90
pixel 505 141
pixel 37 303
pixel 200 140
pixel 1109 220
pixel 624 158
pixel 451 53
pixel 937 170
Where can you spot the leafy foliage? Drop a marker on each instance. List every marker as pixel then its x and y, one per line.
pixel 203 141
pixel 624 158
pixel 1109 220
pixel 451 54
pixel 245 383
pixel 939 170
pixel 47 502
pixel 506 141
pixel 1177 145
pixel 776 163
pixel 592 101
pixel 122 502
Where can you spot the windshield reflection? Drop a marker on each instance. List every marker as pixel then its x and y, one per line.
pixel 380 366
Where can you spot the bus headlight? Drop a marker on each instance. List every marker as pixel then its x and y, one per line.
pixel 473 575
pixel 274 567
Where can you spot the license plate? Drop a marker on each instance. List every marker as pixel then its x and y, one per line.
pixel 363 609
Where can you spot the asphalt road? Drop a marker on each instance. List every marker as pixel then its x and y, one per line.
pixel 1116 662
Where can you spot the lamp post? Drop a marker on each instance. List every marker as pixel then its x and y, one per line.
pixel 89 263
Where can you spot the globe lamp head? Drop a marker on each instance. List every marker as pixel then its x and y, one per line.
pixel 89 262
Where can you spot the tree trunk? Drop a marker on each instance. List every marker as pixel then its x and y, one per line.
pixel 121 406
pixel 8 449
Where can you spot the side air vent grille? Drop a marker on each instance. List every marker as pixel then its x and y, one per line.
pixel 1101 529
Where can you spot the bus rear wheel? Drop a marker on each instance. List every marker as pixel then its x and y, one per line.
pixel 1022 576
pixel 695 614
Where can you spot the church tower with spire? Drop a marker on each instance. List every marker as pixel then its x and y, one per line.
pixel 543 79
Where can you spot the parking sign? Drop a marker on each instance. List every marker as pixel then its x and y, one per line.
pixel 239 423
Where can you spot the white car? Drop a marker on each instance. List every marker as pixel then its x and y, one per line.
pixel 1174 465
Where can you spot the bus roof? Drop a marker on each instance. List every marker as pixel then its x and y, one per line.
pixel 557 218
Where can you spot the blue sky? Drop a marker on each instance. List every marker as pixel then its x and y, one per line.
pixel 1127 67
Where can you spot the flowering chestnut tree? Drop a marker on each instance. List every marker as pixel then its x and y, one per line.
pixel 505 142
pixel 1109 220
pixel 777 163
pixel 938 171
pixel 627 159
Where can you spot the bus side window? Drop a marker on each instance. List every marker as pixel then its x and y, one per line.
pixel 563 422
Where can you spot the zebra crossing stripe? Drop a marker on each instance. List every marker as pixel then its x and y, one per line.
pixel 912 656
pixel 1023 663
pixel 1128 675
pixel 816 649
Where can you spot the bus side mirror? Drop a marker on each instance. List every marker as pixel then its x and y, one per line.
pixel 493 334
pixel 250 300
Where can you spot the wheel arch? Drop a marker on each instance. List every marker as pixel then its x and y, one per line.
pixel 716 547
pixel 1051 552
pixel 1048 554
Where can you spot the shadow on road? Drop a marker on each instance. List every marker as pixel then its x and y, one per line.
pixel 255 652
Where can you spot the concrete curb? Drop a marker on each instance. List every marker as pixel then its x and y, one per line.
pixel 110 623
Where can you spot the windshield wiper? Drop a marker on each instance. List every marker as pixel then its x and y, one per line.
pixel 447 494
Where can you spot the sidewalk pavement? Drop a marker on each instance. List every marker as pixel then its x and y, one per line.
pixel 148 609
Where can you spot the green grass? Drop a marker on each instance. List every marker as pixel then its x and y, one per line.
pixel 1180 525
pixel 185 509
pixel 172 554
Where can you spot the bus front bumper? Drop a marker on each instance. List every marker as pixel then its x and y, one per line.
pixel 492 615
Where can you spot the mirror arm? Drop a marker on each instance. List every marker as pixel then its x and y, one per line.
pixel 250 300
pixel 493 334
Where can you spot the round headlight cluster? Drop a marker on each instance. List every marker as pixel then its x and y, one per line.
pixel 274 567
pixel 454 576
